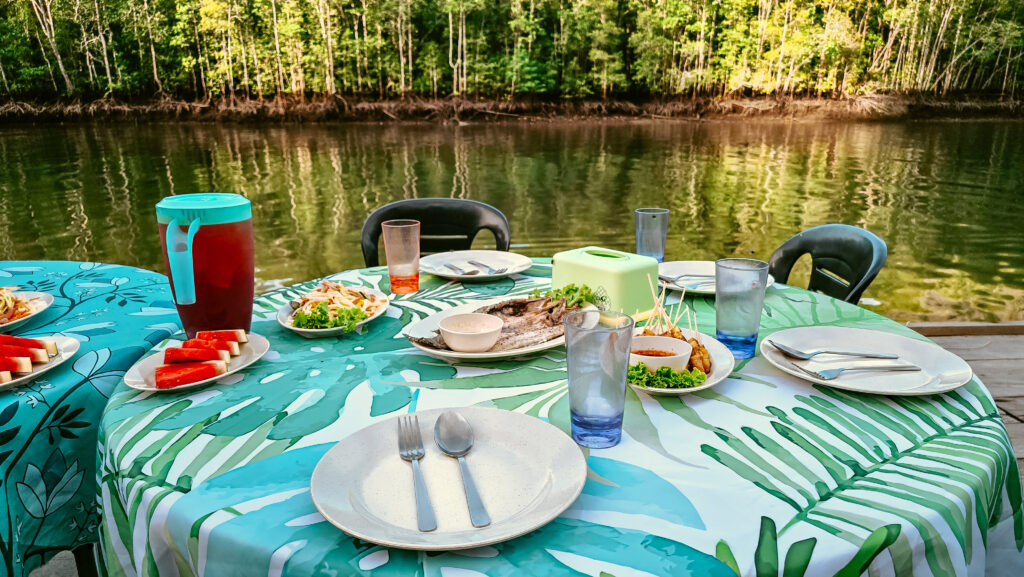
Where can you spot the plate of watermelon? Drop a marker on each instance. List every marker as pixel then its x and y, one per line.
pixel 211 356
pixel 23 359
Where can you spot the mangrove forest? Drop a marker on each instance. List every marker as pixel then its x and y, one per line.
pixel 54 50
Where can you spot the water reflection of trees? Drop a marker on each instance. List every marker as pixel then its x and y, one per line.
pixel 944 196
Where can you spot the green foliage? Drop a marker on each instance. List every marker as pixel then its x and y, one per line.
pixel 664 377
pixel 563 48
pixel 321 318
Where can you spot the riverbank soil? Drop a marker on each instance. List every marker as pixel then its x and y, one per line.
pixel 454 110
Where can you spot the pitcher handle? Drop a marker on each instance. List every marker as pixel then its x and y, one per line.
pixel 179 257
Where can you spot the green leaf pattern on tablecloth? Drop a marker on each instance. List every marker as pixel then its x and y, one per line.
pixel 763 475
pixel 48 426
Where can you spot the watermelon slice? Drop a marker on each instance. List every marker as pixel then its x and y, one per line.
pixel 16 364
pixel 192 355
pixel 49 346
pixel 170 376
pixel 235 336
pixel 5 377
pixel 37 355
pixel 229 346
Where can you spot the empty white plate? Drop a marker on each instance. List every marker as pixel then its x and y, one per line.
pixel 527 472
pixel 496 259
pixel 701 285
pixel 941 370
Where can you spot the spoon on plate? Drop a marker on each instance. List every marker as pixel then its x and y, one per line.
pixel 454 436
pixel 460 270
pixel 807 355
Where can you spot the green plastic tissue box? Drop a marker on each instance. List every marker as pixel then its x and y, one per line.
pixel 624 278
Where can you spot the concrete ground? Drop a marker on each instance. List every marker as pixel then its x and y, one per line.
pixel 62 565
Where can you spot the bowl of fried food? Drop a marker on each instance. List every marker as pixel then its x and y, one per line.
pixel 710 361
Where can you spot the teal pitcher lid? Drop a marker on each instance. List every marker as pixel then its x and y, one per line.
pixel 209 208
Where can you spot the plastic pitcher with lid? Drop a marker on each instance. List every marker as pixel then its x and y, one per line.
pixel 208 254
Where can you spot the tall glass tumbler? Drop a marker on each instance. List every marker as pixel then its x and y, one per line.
pixel 597 352
pixel 739 297
pixel 651 232
pixel 402 250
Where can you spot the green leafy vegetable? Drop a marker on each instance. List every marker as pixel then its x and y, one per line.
pixel 574 295
pixel 664 377
pixel 321 318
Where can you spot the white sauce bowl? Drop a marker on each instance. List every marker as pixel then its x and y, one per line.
pixel 677 362
pixel 470 332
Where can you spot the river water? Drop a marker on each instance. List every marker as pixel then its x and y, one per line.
pixel 947 197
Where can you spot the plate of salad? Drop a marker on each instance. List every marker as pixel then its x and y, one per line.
pixel 332 309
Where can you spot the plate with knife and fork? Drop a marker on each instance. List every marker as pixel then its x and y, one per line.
pixel 400 482
pixel 865 360
pixel 474 265
pixel 694 276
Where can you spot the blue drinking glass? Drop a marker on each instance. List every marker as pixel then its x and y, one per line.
pixel 651 232
pixel 597 353
pixel 739 297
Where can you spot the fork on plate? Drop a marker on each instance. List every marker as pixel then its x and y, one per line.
pixel 490 269
pixel 410 447
pixel 832 374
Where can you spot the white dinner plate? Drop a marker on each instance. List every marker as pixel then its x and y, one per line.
pixel 434 264
pixel 426 327
pixel 700 286
pixel 526 470
pixel 66 348
pixel 722 364
pixel 39 301
pixel 142 375
pixel 286 313
pixel 941 370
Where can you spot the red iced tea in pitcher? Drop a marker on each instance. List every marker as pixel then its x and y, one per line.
pixel 208 254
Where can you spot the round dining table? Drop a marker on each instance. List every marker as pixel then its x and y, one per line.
pixel 48 425
pixel 765 474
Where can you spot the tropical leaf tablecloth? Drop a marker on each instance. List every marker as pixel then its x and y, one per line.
pixel 763 475
pixel 48 427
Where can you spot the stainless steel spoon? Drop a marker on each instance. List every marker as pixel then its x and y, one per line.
pixel 454 436
pixel 490 269
pixel 461 271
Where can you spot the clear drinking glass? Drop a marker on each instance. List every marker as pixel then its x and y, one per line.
pixel 651 232
pixel 739 296
pixel 597 352
pixel 402 249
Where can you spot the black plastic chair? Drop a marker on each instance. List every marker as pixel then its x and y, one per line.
pixel 445 224
pixel 844 259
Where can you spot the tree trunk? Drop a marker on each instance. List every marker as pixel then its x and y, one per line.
pixel 277 48
pixel 103 45
pixel 44 16
pixel 152 47
pixel 3 77
pixel 453 62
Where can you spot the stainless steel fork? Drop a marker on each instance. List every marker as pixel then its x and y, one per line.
pixel 410 447
pixel 490 269
pixel 832 374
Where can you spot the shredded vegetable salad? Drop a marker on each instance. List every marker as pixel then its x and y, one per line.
pixel 13 307
pixel 333 305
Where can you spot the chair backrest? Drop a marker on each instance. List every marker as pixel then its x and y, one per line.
pixel 445 224
pixel 844 259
